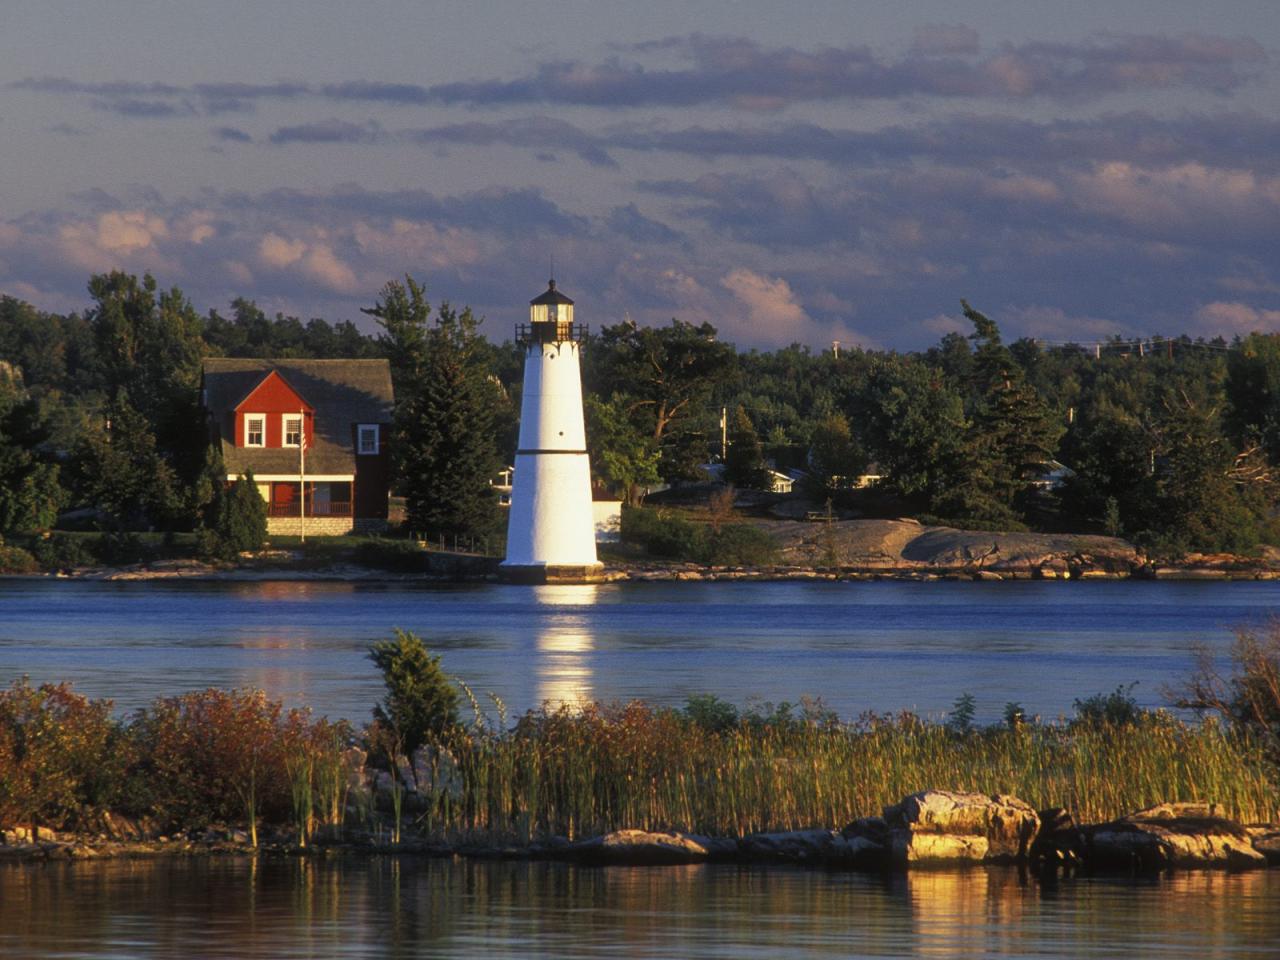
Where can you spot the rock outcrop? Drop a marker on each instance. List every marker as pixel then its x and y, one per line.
pixel 905 546
pixel 641 848
pixel 1193 835
pixel 941 827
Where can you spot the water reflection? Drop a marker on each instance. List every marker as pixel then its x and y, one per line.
pixel 564 645
pixel 392 908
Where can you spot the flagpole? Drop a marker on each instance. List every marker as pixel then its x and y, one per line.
pixel 302 476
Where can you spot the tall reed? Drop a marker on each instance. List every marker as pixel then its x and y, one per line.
pixel 574 773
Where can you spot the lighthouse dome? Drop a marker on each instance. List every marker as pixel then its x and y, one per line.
pixel 551 296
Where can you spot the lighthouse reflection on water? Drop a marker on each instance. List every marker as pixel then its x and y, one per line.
pixel 564 646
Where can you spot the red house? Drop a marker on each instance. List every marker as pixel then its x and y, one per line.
pixel 314 434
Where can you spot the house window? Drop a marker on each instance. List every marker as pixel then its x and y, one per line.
pixel 255 430
pixel 292 430
pixel 368 434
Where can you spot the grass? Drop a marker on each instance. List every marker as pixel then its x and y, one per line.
pixel 579 772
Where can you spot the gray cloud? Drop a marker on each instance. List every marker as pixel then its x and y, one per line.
pixel 330 131
pixel 934 39
pixel 629 222
pixel 745 73
pixel 232 135
pixel 944 61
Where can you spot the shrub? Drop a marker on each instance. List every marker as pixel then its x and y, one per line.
pixel 212 755
pixel 737 544
pixel 1115 709
pixel 62 552
pixel 709 712
pixel 16 560
pixel 239 520
pixel 674 538
pixel 398 555
pixel 59 755
pixel 661 534
pixel 421 705
pixel 1248 699
pixel 120 547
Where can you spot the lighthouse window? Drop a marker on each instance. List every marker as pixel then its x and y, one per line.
pixel 255 430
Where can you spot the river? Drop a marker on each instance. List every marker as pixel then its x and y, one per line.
pixel 879 646
pixel 399 908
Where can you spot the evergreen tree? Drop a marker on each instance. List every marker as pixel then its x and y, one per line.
pixel 1012 435
pixel 240 522
pixel 421 705
pixel 446 426
pixel 744 465
pixel 29 491
pixel 835 457
pixel 403 312
pixel 118 468
pixel 916 429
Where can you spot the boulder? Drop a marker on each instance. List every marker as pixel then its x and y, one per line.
pixel 794 846
pixel 640 848
pixel 1171 835
pixel 937 849
pixel 1059 842
pixel 1266 840
pixel 980 827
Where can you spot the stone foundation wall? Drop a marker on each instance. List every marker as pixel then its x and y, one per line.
pixel 315 526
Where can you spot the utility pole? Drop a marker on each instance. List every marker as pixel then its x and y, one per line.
pixel 302 476
pixel 724 434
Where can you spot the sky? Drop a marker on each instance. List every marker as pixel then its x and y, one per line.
pixel 788 172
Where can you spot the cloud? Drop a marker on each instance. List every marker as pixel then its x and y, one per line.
pixel 943 61
pixel 329 131
pixel 537 133
pixel 277 251
pixel 232 135
pixel 770 302
pixel 935 39
pixel 1235 317
pixel 629 222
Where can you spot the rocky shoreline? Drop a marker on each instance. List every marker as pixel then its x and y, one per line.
pixel 933 829
pixel 845 550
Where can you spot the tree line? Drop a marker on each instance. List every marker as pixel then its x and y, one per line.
pixel 99 412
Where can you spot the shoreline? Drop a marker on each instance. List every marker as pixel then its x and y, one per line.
pixel 931 830
pixel 471 569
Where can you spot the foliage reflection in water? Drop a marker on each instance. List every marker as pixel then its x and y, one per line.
pixel 390 908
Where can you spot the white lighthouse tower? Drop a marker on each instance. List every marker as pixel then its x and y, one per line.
pixel 550 531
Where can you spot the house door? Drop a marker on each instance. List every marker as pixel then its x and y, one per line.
pixel 284 497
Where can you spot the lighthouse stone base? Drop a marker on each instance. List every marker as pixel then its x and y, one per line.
pixel 552 572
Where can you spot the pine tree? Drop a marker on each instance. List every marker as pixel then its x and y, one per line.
pixel 447 425
pixel 744 465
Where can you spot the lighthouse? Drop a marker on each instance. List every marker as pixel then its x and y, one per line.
pixel 550 531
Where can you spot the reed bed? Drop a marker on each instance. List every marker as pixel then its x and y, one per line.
pixel 578 773
pixel 218 756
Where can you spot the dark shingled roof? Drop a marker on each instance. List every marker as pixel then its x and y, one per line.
pixel 342 392
pixel 551 296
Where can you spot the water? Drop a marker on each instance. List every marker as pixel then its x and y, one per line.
pixel 389 908
pixel 880 646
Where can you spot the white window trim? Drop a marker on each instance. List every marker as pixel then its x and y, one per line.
pixel 377 439
pixel 284 431
pixel 255 416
